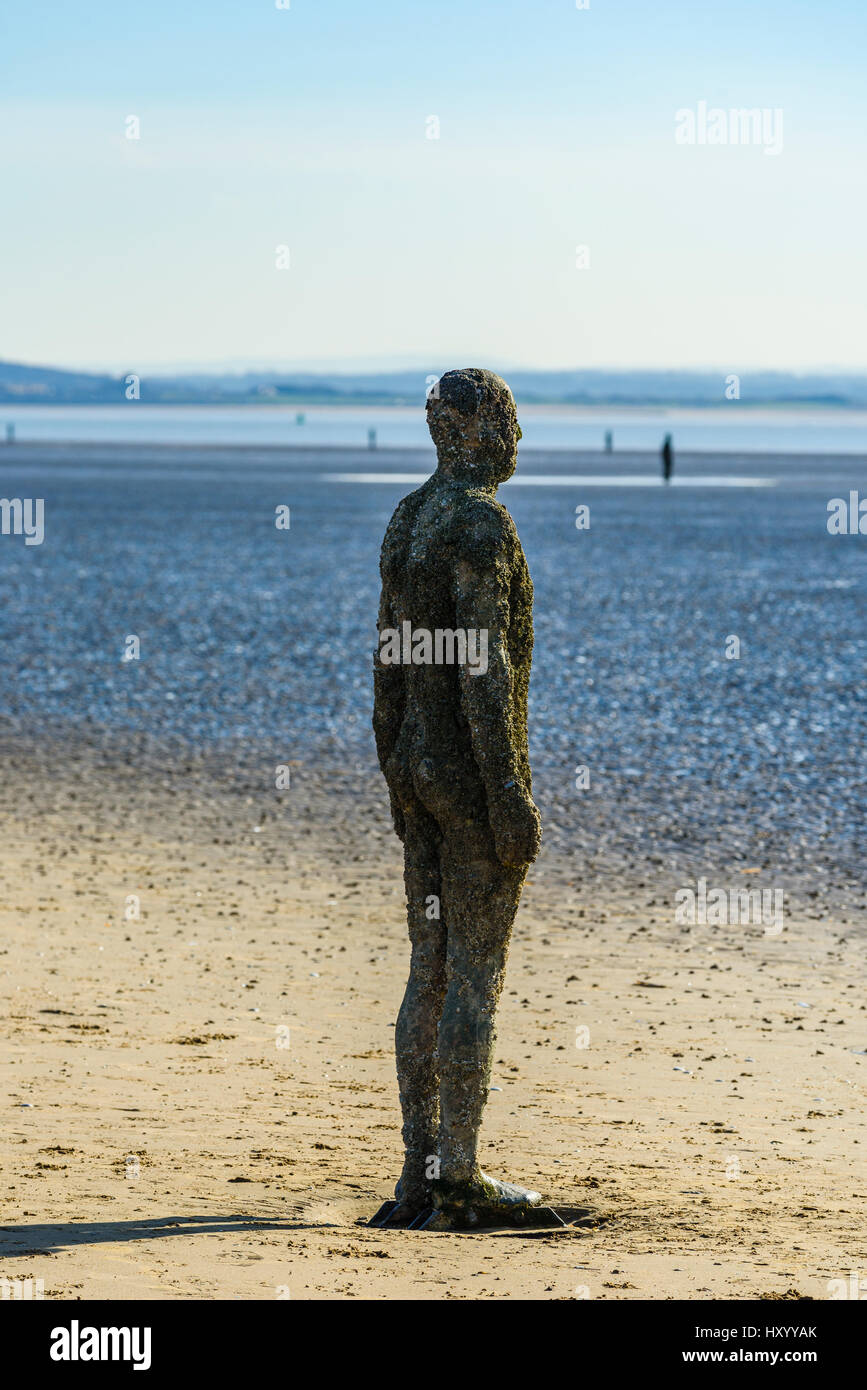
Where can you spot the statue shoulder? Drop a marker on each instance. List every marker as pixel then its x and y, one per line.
pixel 485 532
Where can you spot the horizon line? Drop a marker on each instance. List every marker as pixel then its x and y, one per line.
pixel 357 367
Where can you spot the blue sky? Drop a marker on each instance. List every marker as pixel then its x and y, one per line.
pixel 306 127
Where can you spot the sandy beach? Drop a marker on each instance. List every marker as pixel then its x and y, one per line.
pixel 200 1101
pixel 201 973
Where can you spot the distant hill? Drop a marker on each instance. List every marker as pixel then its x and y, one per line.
pixel 48 385
pixel 28 385
pixel 54 386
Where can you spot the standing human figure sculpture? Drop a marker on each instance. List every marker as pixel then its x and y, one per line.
pixel 667 455
pixel 451 739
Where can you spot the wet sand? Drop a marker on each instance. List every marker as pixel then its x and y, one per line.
pixel 165 1136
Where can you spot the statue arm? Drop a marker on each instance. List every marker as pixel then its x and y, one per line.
pixel 389 703
pixel 492 713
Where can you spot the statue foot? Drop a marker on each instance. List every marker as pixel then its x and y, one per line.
pixel 410 1200
pixel 510 1194
pixel 485 1201
pixel 401 1215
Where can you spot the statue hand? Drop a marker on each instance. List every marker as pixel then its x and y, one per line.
pixel 516 825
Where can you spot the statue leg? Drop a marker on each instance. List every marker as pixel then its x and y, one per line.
pixel 416 1030
pixel 480 897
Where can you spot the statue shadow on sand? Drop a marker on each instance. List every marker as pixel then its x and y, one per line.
pixel 25 1240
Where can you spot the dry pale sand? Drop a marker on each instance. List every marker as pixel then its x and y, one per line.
pixel 714 1120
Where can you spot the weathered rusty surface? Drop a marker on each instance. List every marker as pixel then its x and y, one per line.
pixel 453 748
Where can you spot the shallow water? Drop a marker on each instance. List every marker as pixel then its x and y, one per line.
pixel 264 636
pixel 734 427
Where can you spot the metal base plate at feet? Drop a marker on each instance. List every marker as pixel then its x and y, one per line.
pixel 535 1219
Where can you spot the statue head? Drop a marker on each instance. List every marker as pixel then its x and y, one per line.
pixel 474 425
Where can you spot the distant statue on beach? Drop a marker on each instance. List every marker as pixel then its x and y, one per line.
pixel 667 459
pixel 451 736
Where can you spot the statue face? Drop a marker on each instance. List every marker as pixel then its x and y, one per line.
pixel 474 425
